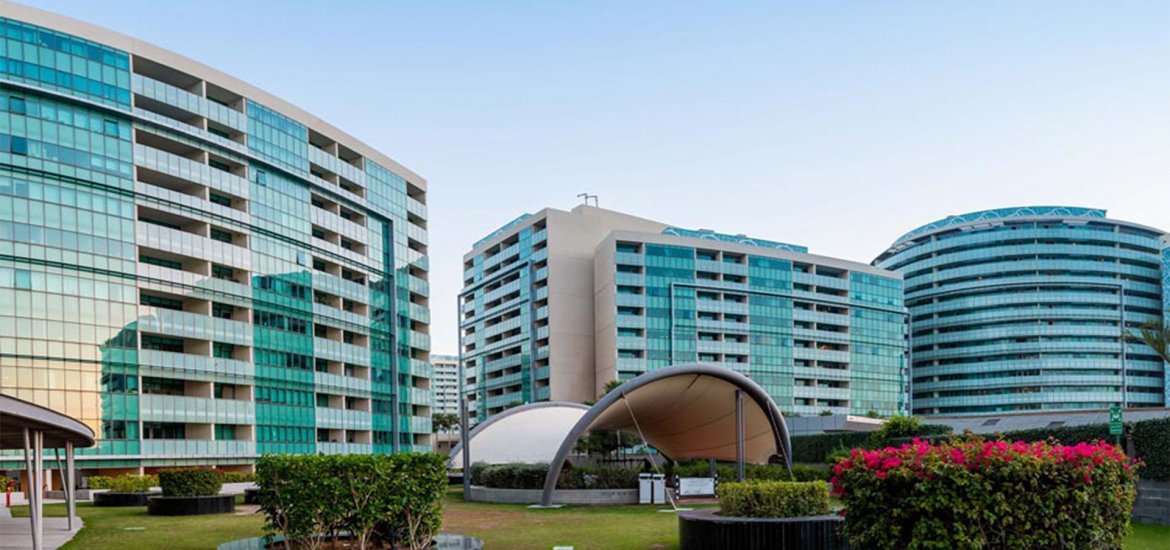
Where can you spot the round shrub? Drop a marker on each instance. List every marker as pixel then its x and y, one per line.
pixel 190 483
pixel 974 494
pixel 99 482
pixel 773 499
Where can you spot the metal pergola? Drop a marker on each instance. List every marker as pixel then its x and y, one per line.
pixel 33 428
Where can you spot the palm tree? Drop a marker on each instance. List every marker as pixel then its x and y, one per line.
pixel 1156 335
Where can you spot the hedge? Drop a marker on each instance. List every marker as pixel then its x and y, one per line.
pixel 238 477
pixel 382 500
pixel 190 483
pixel 531 476
pixel 758 472
pixel 1150 438
pixel 973 494
pixel 773 499
pixel 124 483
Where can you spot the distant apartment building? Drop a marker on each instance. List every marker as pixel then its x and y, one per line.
pixel 445 384
pixel 1023 309
pixel 196 269
pixel 556 304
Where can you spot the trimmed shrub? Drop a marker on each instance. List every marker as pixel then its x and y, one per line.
pixel 99 482
pixel 238 477
pixel 827 447
pixel 531 476
pixel 816 448
pixel 132 484
pixel 190 483
pixel 751 472
pixel 972 493
pixel 773 499
pixel 382 500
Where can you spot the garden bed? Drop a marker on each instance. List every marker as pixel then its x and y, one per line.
pixel 190 506
pixel 702 529
pixel 108 499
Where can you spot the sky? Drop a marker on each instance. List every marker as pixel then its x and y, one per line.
pixel 835 125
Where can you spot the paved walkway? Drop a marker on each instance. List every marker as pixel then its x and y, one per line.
pixel 16 533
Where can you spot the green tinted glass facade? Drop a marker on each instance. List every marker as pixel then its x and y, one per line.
pixel 815 337
pixel 194 273
pixel 1023 309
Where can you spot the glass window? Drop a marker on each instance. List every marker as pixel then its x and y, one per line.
pixel 24 279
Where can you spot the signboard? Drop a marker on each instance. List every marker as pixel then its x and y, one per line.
pixel 696 486
pixel 1115 420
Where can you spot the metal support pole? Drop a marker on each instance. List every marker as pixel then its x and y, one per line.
pixel 64 486
pixel 739 434
pixel 30 479
pixel 464 421
pixel 39 464
pixel 70 484
pixel 1124 348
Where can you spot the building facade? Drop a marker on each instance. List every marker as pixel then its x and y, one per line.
pixel 1023 309
pixel 614 296
pixel 198 270
pixel 445 384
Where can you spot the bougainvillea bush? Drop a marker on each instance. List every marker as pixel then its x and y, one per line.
pixel 977 494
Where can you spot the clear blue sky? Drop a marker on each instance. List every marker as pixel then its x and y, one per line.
pixel 837 125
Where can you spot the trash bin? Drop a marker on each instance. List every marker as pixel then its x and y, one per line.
pixel 658 488
pixel 644 483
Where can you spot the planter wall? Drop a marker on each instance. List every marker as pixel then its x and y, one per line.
pixel 1153 502
pixel 560 496
pixel 121 499
pixel 79 494
pixel 190 506
pixel 702 529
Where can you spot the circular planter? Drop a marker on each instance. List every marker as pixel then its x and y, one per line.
pixel 442 542
pixel 190 506
pixel 605 497
pixel 702 529
pixel 121 499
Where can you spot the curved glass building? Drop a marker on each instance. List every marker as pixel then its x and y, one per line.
pixel 1022 309
pixel 197 269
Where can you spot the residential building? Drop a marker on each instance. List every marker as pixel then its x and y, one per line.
pixel 197 269
pixel 1023 309
pixel 557 304
pixel 445 384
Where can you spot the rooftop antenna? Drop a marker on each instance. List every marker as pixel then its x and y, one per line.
pixel 585 198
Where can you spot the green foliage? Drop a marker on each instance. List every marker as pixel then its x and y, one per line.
pixel 99 482
pixel 968 493
pixel 131 484
pixel 1151 444
pixel 238 477
pixel 444 422
pixel 531 476
pixel 1150 438
pixel 1156 335
pixel 380 499
pixel 190 483
pixel 757 472
pixel 827 447
pixel 773 499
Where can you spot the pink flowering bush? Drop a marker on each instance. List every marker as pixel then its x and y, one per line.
pixel 972 493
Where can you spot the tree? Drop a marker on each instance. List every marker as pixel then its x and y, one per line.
pixel 444 422
pixel 601 442
pixel 1154 334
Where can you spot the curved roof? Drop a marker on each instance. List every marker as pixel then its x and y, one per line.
pixel 529 433
pixel 17 414
pixel 1014 212
pixel 686 412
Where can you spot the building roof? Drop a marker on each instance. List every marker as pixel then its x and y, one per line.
pixel 987 424
pixel 18 414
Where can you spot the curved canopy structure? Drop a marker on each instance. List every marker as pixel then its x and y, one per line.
pixel 687 412
pixel 529 433
pixel 58 429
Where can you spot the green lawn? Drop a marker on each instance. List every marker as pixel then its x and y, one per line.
pixel 499 525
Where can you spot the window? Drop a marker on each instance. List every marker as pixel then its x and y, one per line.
pixel 114 429
pixel 160 262
pixel 219 165
pixel 111 127
pixel 159 301
pixel 23 279
pixel 222 200
pixel 223 272
pixel 223 351
pixel 17 105
pixel 261 177
pixel 322 400
pixel 225 431
pixel 162 343
pixel 163 430
pixel 222 311
pixel 19 146
pixel 161 386
pixel 221 235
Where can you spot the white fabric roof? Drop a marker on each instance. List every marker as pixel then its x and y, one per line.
pixel 531 433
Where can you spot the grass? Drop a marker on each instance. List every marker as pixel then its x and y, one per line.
pixel 511 526
pixel 131 528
